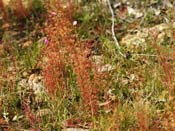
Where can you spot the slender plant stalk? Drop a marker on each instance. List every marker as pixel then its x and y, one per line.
pixel 112 29
pixel 115 39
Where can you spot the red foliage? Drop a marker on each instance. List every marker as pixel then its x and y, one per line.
pixel 4 125
pixel 18 9
pixel 83 66
pixel 64 49
pixel 142 121
pixel 31 117
pixel 58 34
pixel 2 9
pixel 72 123
pixel 166 60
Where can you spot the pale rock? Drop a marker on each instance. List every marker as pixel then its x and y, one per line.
pixel 136 13
pixel 35 84
pixel 137 42
pixel 167 4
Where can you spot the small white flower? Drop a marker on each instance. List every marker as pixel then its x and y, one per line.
pixel 75 23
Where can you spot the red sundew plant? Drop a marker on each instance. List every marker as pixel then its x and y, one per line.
pixel 63 49
pixel 18 9
pixel 82 67
pixel 31 117
pixel 166 62
pixel 58 33
pixel 142 121
pixel 3 10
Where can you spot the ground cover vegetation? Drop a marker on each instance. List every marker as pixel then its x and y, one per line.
pixel 90 65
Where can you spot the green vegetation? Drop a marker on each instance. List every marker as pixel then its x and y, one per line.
pixel 61 68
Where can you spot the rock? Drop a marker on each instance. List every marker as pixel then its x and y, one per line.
pixel 35 83
pixel 137 42
pixel 167 4
pixel 135 12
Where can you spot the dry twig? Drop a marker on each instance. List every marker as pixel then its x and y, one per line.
pixel 112 29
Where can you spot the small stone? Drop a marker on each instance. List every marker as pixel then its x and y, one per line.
pixel 38 88
pixel 136 13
